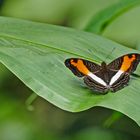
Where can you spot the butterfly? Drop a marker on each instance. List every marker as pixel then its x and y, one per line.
pixel 105 77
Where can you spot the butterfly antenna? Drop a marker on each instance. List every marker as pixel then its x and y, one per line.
pixel 110 53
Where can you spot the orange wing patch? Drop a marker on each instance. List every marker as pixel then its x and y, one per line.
pixel 80 66
pixel 127 62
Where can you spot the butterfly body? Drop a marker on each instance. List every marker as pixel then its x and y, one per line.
pixel 105 77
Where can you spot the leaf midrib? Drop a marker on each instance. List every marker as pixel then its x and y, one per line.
pixel 43 45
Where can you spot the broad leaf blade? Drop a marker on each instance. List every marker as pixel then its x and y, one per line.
pixel 36 53
pixel 99 22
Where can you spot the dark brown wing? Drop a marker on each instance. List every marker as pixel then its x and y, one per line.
pixel 76 65
pixel 120 83
pixel 117 63
pixel 96 87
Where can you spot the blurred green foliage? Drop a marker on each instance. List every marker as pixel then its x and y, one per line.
pixel 47 122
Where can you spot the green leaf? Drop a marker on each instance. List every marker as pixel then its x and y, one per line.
pixel 36 52
pixel 99 22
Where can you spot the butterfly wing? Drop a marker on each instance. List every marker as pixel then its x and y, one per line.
pixel 95 86
pixel 81 67
pixel 121 83
pixel 123 67
pixel 128 63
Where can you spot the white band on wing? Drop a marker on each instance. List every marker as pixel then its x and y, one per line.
pixel 97 79
pixel 116 77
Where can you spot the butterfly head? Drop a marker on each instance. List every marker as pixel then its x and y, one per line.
pixel 103 64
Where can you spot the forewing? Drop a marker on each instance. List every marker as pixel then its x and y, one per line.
pixel 81 67
pixel 134 64
pixel 130 60
pixel 115 64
